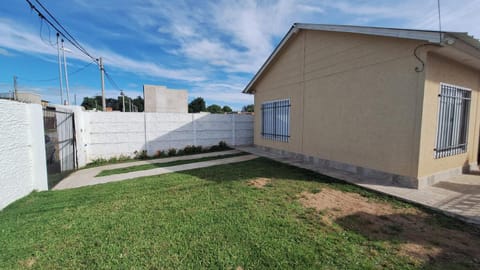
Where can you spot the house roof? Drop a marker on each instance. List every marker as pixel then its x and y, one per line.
pixel 433 37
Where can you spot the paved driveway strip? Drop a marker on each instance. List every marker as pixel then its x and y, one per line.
pixel 81 178
pixel 85 174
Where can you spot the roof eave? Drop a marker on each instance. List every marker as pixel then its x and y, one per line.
pixel 293 30
pixel 434 37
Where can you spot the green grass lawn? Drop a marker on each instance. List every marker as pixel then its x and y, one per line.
pixel 210 218
pixel 164 164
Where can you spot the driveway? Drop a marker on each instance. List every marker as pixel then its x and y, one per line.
pixel 86 177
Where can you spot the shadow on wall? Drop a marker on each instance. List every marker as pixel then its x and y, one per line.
pixel 114 134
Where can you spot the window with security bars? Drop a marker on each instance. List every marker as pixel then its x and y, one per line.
pixel 452 129
pixel 276 120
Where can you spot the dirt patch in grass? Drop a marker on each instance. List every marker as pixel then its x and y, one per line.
pixel 259 182
pixel 28 263
pixel 418 236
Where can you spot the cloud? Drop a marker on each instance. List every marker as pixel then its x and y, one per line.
pixel 455 15
pixel 213 48
pixel 4 52
pixel 232 36
pixel 20 39
pixel 221 94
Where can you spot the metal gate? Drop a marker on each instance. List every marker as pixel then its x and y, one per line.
pixel 60 144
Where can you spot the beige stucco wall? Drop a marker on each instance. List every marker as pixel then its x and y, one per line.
pixel 440 69
pixel 355 99
pixel 161 99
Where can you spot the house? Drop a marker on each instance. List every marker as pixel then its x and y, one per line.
pixel 392 106
pixel 161 99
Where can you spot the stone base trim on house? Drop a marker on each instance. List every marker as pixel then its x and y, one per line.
pixel 372 176
pixel 364 175
pixel 432 179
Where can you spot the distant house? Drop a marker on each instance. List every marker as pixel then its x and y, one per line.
pixel 393 106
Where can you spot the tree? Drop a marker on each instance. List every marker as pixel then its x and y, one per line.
pixel 248 108
pixel 197 105
pixel 139 102
pixel 214 108
pixel 90 103
pixel 112 103
pixel 227 109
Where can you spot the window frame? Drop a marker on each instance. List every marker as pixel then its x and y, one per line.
pixel 452 142
pixel 276 123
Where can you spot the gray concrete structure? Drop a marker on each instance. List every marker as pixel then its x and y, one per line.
pixel 161 99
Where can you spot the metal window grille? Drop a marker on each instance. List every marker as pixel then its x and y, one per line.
pixel 276 120
pixel 453 114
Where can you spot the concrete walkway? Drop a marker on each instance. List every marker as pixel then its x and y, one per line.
pixel 86 177
pixel 459 196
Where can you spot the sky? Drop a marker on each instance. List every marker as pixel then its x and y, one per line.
pixel 210 48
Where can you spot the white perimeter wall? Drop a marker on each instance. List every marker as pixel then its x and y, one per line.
pixel 22 151
pixel 108 134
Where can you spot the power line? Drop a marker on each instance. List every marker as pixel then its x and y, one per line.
pixel 63 28
pixel 56 78
pixel 111 81
pixel 69 38
pixel 65 34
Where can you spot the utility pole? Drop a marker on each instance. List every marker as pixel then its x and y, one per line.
pixel 15 90
pixel 123 101
pixel 66 74
pixel 102 74
pixel 60 69
pixel 130 100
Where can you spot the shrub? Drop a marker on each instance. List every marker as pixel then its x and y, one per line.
pixel 198 149
pixel 191 149
pixel 98 162
pixel 141 154
pixel 223 145
pixel 161 153
pixel 172 152
pixel 214 148
pixel 124 158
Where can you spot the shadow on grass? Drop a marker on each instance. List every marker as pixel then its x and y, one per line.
pixel 267 168
pixel 55 178
pixel 425 238
pixel 435 240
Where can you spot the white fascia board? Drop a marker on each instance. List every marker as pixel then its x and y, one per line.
pixel 426 35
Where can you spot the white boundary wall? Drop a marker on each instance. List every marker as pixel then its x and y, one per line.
pixel 22 151
pixel 109 134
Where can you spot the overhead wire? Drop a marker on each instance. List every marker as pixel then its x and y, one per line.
pixel 111 80
pixel 63 28
pixel 56 78
pixel 66 35
pixel 69 37
pixel 40 32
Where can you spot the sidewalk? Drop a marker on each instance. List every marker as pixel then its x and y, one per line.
pixel 458 197
pixel 86 177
